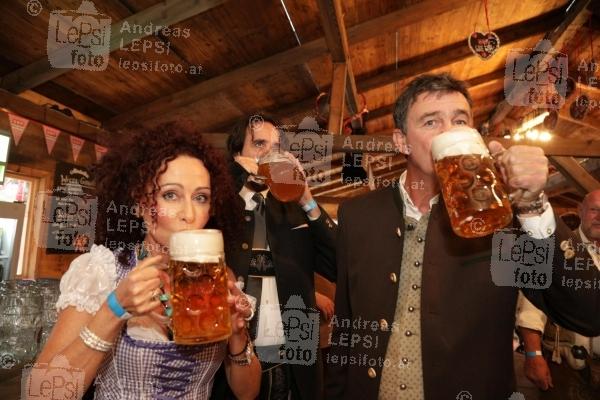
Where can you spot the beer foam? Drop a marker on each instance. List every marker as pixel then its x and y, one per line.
pixel 456 142
pixel 202 245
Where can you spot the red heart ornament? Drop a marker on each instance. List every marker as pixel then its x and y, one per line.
pixel 484 45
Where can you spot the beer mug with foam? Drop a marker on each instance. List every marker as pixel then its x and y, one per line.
pixel 475 197
pixel 199 287
pixel 282 175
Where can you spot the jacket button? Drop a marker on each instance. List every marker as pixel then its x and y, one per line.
pixel 245 246
pixel 248 218
pixel 383 324
pixel 410 227
pixel 371 372
pixel 411 309
pixel 393 277
pixel 415 287
pixel 417 264
pixel 408 333
pixel 403 387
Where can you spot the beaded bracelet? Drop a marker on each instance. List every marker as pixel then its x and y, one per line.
pixel 91 340
pixel 246 352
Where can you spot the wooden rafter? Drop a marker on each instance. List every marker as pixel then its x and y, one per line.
pixel 336 38
pixel 593 93
pixel 165 14
pixel 47 116
pixel 583 181
pixel 286 59
pixel 336 100
pixel 576 16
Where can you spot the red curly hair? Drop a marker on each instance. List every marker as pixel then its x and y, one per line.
pixel 134 163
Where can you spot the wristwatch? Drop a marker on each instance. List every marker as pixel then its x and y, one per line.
pixel 534 207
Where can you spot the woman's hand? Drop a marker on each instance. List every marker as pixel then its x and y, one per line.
pixel 239 306
pixel 138 293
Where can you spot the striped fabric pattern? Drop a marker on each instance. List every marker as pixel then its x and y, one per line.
pixel 141 369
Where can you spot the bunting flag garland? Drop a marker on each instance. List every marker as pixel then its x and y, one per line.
pixel 100 151
pixel 51 135
pixel 76 145
pixel 18 125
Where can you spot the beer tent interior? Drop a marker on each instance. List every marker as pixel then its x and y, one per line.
pixel 330 66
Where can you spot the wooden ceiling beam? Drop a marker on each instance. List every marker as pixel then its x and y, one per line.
pixel 336 100
pixel 575 15
pixel 589 120
pixel 165 14
pixel 45 115
pixel 289 58
pixel 332 21
pixel 575 174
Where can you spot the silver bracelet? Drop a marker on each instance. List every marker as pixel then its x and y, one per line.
pixel 91 340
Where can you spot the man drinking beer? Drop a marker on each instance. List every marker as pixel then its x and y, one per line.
pixel 281 244
pixel 438 327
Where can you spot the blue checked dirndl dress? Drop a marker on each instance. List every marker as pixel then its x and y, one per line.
pixel 138 369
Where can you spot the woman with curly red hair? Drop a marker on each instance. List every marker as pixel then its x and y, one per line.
pixel 150 185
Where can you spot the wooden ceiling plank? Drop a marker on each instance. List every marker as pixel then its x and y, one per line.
pixel 455 52
pixel 164 14
pixel 298 55
pixel 336 100
pixel 575 174
pixel 576 16
pixel 437 58
pixel 473 83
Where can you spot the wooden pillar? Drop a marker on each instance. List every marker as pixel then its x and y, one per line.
pixel 336 101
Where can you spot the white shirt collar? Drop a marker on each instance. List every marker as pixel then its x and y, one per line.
pixel 410 209
pixel 247 194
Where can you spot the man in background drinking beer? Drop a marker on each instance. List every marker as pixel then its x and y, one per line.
pixel 281 245
pixel 436 324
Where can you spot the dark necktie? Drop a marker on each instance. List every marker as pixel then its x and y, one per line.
pixel 260 202
pixel 260 227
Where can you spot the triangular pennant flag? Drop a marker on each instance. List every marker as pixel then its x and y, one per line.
pixel 51 135
pixel 18 125
pixel 76 145
pixel 100 151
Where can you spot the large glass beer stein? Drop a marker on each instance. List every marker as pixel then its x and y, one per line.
pixel 198 287
pixel 282 175
pixel 475 198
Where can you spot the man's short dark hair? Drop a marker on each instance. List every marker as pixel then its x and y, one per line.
pixel 426 83
pixel 237 134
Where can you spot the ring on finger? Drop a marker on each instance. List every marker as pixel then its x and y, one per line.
pixel 156 294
